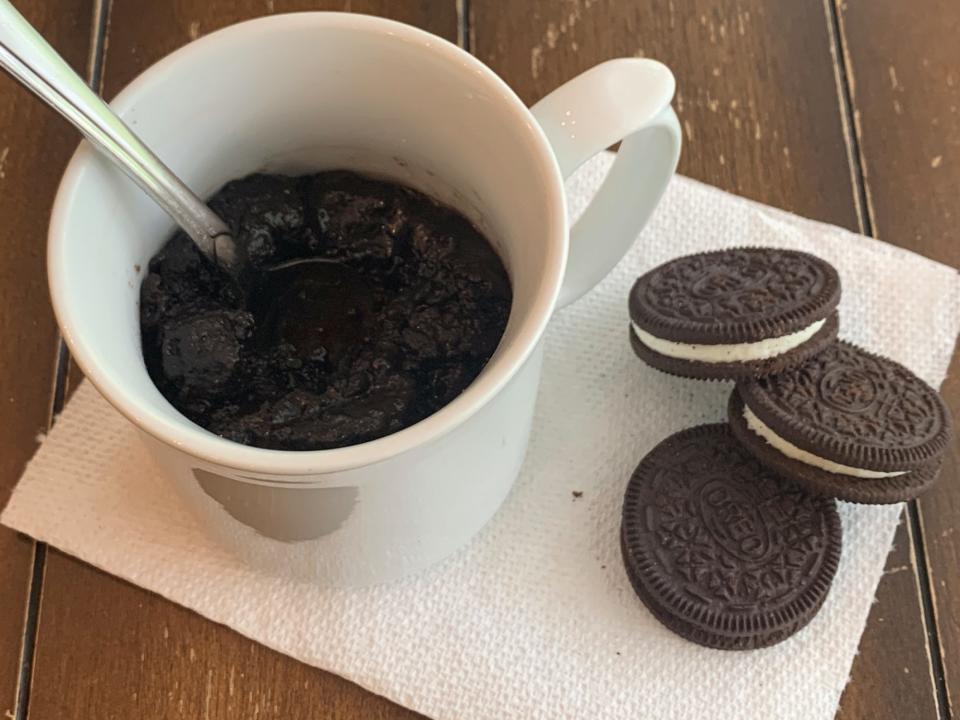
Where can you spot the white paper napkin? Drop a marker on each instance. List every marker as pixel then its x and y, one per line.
pixel 535 619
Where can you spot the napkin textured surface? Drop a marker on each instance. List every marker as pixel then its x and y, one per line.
pixel 535 618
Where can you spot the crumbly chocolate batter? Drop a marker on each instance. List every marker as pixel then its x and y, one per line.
pixel 403 317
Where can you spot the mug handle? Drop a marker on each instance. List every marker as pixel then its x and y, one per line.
pixel 628 100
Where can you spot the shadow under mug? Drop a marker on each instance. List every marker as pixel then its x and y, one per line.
pixel 310 91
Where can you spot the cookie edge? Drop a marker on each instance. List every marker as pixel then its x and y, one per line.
pixel 863 491
pixel 739 371
pixel 819 307
pixel 845 452
pixel 762 629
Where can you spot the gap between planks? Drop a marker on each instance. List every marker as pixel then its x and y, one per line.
pixel 464 25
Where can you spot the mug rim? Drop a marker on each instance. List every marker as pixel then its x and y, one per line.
pixel 191 438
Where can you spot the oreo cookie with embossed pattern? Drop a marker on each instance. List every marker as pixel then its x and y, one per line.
pixel 745 312
pixel 722 550
pixel 848 424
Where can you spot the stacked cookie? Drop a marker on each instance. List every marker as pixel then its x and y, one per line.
pixel 730 532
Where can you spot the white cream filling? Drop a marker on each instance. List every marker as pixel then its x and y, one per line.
pixel 792 451
pixel 737 352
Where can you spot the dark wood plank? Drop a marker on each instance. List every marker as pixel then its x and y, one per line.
pixel 940 524
pixel 903 66
pixel 883 672
pixel 16 554
pixel 756 121
pixel 759 122
pixel 34 147
pixel 155 659
pixel 142 33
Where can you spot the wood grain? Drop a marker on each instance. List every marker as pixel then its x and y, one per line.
pixel 757 121
pixel 903 68
pixel 762 117
pixel 110 650
pixel 34 147
pixel 107 649
pixel 890 682
pixel 142 33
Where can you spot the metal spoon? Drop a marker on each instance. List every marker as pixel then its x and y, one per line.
pixel 28 58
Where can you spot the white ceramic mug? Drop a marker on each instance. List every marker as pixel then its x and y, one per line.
pixel 303 92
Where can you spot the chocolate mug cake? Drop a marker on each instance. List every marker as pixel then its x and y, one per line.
pixel 404 305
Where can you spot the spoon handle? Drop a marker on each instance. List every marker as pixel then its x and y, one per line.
pixel 30 59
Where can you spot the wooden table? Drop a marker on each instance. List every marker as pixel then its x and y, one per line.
pixel 846 112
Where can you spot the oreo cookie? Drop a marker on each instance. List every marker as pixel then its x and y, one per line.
pixel 846 424
pixel 723 551
pixel 730 314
